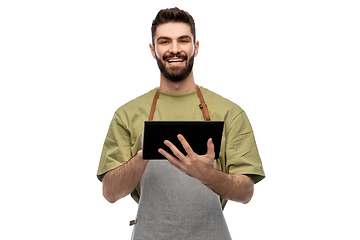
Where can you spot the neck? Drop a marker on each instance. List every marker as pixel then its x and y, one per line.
pixel 184 86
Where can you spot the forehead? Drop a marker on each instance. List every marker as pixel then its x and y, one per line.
pixel 173 30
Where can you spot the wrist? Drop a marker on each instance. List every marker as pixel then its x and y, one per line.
pixel 209 176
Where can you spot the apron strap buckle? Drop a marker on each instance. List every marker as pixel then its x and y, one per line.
pixel 133 222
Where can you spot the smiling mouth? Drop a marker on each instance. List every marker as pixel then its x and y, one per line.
pixel 175 60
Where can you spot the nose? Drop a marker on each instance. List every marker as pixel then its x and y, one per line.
pixel 174 48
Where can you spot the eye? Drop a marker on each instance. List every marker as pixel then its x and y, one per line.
pixel 163 41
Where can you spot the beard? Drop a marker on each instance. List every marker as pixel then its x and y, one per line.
pixel 176 73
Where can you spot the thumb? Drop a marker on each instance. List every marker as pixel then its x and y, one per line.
pixel 210 149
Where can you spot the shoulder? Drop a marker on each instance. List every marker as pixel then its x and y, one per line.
pixel 220 105
pixel 135 112
pixel 142 102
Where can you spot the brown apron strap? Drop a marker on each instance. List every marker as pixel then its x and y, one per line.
pixel 153 106
pixel 202 105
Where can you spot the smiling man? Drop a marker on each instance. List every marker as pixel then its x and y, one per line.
pixel 183 197
pixel 177 51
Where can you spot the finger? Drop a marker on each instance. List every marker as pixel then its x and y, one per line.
pixel 185 144
pixel 173 160
pixel 210 148
pixel 166 154
pixel 174 149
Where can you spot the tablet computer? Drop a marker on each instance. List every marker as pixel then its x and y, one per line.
pixel 196 133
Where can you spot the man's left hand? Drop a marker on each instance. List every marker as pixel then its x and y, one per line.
pixel 197 166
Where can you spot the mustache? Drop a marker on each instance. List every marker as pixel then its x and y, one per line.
pixel 171 55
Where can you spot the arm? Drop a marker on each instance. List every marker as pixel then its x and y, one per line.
pixel 234 187
pixel 121 181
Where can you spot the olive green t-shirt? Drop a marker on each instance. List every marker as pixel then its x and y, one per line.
pixel 238 153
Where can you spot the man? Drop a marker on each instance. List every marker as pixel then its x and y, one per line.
pixel 183 197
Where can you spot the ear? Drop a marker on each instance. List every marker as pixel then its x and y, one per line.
pixel 152 49
pixel 196 48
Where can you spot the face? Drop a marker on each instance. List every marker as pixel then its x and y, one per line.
pixel 174 50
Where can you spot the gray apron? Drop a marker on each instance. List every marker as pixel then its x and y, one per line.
pixel 175 206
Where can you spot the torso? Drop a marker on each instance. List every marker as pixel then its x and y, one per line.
pixel 174 205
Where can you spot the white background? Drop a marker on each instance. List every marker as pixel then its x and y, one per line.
pixel 66 66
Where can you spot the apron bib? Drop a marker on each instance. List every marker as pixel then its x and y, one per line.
pixel 175 206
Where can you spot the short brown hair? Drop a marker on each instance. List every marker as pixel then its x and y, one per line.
pixel 172 15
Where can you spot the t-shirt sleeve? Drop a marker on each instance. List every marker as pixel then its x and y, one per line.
pixel 117 148
pixel 242 156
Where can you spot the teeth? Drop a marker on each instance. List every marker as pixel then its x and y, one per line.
pixel 175 60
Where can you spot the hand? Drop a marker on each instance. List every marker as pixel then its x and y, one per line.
pixel 139 155
pixel 197 166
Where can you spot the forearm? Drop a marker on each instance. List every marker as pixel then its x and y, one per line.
pixel 235 187
pixel 121 181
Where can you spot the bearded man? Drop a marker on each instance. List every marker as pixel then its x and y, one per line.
pixel 183 196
